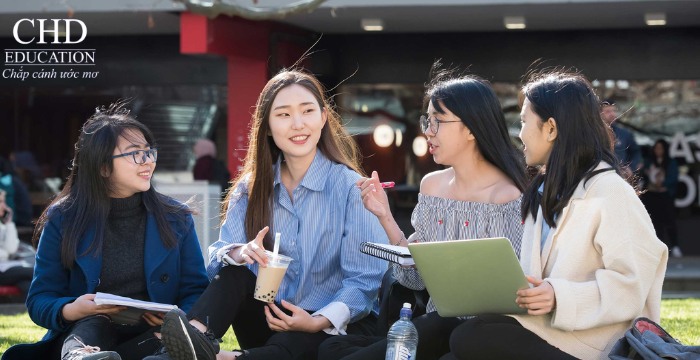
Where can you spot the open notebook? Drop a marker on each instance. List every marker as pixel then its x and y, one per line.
pixel 470 277
pixel 135 308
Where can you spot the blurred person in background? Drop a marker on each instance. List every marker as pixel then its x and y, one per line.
pixel 661 174
pixel 12 272
pixel 626 148
pixel 17 195
pixel 28 170
pixel 207 166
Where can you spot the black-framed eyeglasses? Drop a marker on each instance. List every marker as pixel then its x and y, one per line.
pixel 140 156
pixel 433 124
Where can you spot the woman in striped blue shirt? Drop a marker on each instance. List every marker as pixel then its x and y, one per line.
pixel 299 180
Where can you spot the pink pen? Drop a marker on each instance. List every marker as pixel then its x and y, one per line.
pixel 388 184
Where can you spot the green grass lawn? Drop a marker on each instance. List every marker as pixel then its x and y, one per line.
pixel 681 318
pixel 15 329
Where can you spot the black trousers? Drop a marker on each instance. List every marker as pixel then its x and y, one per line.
pixel 499 337
pixel 481 337
pixel 228 301
pixel 20 276
pixel 662 212
pixel 131 342
pixel 433 341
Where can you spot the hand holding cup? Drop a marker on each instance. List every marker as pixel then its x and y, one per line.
pixel 270 277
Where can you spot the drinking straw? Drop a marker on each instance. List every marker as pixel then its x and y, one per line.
pixel 276 248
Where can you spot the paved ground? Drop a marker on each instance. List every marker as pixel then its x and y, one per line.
pixel 682 277
pixel 688 234
pixel 686 267
pixel 12 309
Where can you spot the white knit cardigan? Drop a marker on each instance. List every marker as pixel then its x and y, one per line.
pixel 604 262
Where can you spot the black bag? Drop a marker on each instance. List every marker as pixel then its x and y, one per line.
pixel 646 340
pixel 392 296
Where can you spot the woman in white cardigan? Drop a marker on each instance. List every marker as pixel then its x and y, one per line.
pixel 11 272
pixel 589 248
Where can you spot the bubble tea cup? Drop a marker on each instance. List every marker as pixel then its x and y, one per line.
pixel 270 277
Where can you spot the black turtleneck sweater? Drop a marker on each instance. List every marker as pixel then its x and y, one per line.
pixel 123 249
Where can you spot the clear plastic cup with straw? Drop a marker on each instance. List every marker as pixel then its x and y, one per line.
pixel 270 277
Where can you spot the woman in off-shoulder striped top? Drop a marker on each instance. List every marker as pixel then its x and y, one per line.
pixel 440 219
pixel 477 196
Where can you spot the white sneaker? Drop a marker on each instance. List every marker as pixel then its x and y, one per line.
pixel 676 252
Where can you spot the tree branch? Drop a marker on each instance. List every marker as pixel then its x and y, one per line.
pixel 216 7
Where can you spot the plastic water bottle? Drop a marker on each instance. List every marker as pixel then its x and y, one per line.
pixel 402 340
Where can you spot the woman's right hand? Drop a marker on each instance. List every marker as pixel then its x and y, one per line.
pixel 253 251
pixel 85 306
pixel 373 196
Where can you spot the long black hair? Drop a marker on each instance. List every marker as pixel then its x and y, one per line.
pixel 474 102
pixel 583 140
pixel 84 201
pixel 663 162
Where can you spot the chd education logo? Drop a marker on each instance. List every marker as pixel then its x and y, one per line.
pixel 43 55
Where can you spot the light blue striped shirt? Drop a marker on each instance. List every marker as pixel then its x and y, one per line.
pixel 545 226
pixel 321 230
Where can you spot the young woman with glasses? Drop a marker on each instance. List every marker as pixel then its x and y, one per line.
pixel 589 248
pixel 476 196
pixel 110 231
pixel 299 181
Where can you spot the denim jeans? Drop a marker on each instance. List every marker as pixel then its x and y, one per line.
pixel 131 342
pixel 20 276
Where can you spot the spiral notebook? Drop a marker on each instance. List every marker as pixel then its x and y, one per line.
pixel 393 253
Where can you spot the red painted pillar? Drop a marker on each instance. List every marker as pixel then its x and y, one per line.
pixel 246 45
pixel 246 78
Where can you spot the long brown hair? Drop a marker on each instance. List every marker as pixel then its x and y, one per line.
pixel 335 143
